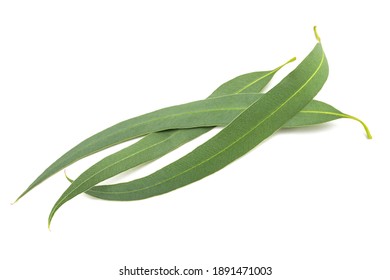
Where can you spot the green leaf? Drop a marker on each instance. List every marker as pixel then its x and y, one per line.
pixel 317 112
pixel 252 126
pixel 156 145
pixel 145 124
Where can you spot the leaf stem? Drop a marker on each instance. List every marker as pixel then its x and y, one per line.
pixel 316 34
pixel 369 136
pixel 284 64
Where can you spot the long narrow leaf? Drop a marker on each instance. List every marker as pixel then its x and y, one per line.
pixel 252 126
pixel 145 124
pixel 156 145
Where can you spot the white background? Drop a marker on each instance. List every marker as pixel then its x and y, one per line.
pixel 311 203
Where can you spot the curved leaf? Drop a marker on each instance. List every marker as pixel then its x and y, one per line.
pixel 156 145
pixel 252 126
pixel 145 124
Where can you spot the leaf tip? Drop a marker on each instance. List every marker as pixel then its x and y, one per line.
pixel 50 219
pixel 67 177
pixel 316 34
pixel 49 222
pixel 19 197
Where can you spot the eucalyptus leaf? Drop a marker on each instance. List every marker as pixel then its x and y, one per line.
pixel 260 120
pixel 156 145
pixel 152 122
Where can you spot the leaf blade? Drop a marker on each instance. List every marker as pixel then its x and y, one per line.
pixel 124 131
pixel 253 125
pixel 147 186
pixel 153 146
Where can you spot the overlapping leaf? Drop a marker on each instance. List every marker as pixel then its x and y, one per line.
pixel 248 117
pixel 156 145
pixel 153 122
pixel 252 126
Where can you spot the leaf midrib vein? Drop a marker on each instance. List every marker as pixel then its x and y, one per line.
pixel 117 162
pixel 236 141
pixel 237 92
pixel 232 109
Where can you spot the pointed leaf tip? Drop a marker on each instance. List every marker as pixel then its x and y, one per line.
pixel 49 223
pixel 16 200
pixel 67 177
pixel 51 215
